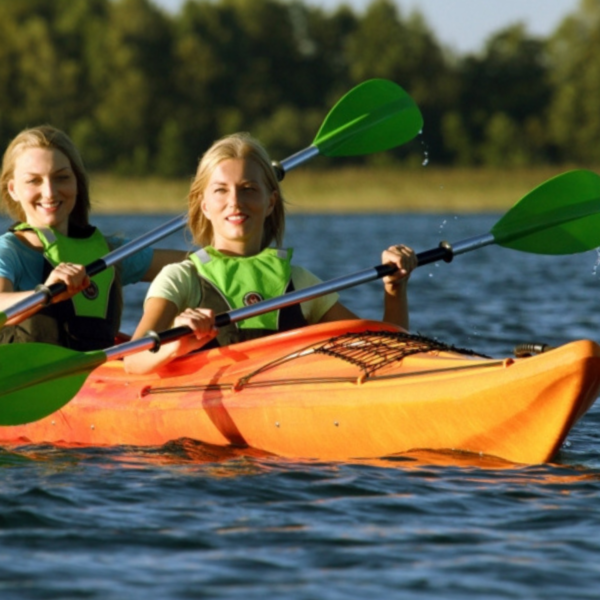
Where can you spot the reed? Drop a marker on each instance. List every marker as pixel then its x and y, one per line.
pixel 426 189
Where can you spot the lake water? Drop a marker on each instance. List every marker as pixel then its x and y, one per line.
pixel 190 521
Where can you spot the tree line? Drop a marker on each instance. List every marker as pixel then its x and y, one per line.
pixel 143 91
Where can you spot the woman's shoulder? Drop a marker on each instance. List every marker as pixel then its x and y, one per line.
pixel 8 239
pixel 10 242
pixel 302 277
pixel 176 283
pixel 176 274
pixel 178 269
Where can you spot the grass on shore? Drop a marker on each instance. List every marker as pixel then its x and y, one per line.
pixel 426 189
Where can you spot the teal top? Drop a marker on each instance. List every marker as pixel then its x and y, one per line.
pixel 24 267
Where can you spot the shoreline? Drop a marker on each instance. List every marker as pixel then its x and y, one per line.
pixel 345 190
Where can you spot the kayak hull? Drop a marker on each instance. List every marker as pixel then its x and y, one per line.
pixel 370 399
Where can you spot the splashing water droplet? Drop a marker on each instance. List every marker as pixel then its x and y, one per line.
pixel 597 263
pixel 425 161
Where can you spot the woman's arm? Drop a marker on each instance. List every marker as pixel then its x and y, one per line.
pixel 73 276
pixel 395 300
pixel 161 258
pixel 8 297
pixel 395 306
pixel 338 312
pixel 159 315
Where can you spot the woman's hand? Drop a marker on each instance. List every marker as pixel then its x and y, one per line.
pixel 159 314
pixel 200 320
pixel 73 276
pixel 405 259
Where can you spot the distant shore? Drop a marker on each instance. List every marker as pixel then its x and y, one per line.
pixel 354 190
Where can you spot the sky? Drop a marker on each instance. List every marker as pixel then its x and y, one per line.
pixel 464 25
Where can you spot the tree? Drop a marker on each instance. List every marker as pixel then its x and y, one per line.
pixel 131 82
pixel 171 160
pixel 42 68
pixel 574 117
pixel 508 83
pixel 503 145
pixel 140 89
pixel 405 51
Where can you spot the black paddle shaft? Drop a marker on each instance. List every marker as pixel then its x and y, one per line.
pixel 51 291
pixel 442 252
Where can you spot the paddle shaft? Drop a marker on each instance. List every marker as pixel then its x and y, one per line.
pixel 153 341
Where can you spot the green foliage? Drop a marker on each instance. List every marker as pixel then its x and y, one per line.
pixel 503 146
pixel 575 51
pixel 456 139
pixel 171 160
pixel 142 91
pixel 505 94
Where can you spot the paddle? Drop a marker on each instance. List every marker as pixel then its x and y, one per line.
pixel 372 117
pixel 561 216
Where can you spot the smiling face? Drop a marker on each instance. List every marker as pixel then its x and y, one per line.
pixel 237 201
pixel 45 185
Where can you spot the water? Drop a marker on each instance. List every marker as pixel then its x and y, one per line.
pixel 191 521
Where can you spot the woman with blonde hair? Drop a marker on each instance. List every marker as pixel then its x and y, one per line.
pixel 44 189
pixel 236 211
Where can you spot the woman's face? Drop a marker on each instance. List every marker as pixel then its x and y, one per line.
pixel 237 202
pixel 44 183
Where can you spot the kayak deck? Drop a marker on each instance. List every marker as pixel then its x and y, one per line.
pixel 337 391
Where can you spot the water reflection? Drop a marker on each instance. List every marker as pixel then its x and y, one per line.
pixel 229 462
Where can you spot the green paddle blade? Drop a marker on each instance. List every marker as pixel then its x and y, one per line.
pixel 38 379
pixel 372 117
pixel 560 216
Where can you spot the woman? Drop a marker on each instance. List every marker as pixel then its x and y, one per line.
pixel 44 188
pixel 236 210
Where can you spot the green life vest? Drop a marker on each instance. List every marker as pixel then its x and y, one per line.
pixel 59 248
pixel 90 319
pixel 229 282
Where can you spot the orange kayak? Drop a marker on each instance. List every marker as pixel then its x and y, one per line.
pixel 338 391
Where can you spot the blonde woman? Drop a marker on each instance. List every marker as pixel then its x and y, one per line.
pixel 236 213
pixel 44 188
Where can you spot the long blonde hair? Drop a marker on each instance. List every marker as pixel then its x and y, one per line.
pixel 237 145
pixel 45 136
